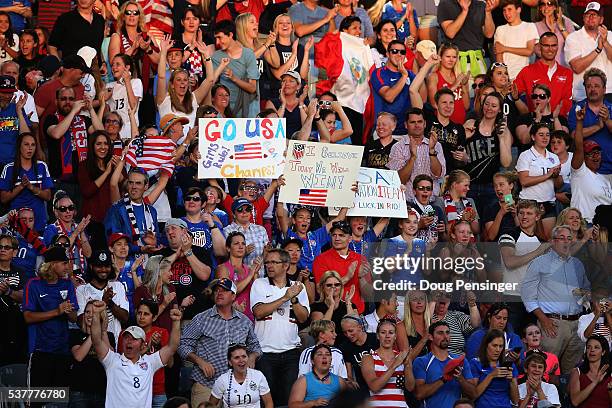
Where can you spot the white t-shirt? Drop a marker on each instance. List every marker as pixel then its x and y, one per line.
pixel 552 395
pixel 589 190
pixel 4 56
pixel 130 385
pixel 538 165
pixel 566 168
pixel 516 37
pixel 245 395
pixel 522 244
pixel 337 365
pixel 30 106
pixel 85 293
pixel 166 107
pixel 119 103
pixel 578 44
pixel 277 332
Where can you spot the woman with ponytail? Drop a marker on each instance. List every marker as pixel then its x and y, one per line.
pixel 457 207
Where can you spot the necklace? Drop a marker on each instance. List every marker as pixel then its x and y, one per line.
pixel 322 379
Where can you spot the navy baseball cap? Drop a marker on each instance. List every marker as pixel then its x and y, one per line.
pixel 241 202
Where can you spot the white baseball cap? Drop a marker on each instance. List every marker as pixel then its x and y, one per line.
pixel 427 48
pixel 592 6
pixel 88 54
pixel 136 332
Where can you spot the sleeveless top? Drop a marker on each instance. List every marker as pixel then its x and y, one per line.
pixel 483 157
pixel 166 107
pixel 317 389
pixel 458 115
pixel 599 398
pixel 391 396
pixel 244 296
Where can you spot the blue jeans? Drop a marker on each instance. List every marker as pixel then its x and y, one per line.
pixel 159 401
pixel 79 399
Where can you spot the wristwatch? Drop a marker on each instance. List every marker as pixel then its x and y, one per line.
pixel 213 227
pixel 294 300
pixel 188 253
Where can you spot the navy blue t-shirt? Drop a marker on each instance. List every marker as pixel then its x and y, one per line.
pixel 9 131
pixel 497 394
pixel 385 77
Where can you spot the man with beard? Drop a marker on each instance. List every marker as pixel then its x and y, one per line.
pixel 14 120
pixel 104 287
pixel 432 385
pixel 205 340
pixel 68 131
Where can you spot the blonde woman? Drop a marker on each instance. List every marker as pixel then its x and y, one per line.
pixel 247 34
pixel 457 205
pixel 131 37
pixel 417 318
pixel 449 76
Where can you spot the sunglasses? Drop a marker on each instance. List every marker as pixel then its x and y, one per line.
pixel 424 188
pixel 479 85
pixel 64 208
pixel 539 96
pixel 498 64
pixel 396 51
pixel 333 285
pixel 243 209
pixel 63 244
pixel 194 198
pixel 211 111
pixel 7 247
pixel 547 4
pixel 112 121
pixel 132 12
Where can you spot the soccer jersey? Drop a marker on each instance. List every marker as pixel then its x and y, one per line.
pixel 88 292
pixel 245 395
pixel 119 104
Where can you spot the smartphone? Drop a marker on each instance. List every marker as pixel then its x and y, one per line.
pixel 460 148
pixel 509 199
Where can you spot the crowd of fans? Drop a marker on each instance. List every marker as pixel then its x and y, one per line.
pixel 139 284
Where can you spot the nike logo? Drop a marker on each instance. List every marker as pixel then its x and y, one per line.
pixel 267 296
pixel 43 295
pixel 393 79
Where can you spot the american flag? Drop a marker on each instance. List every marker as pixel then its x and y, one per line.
pixel 315 197
pixel 248 151
pixel 151 153
pixel 298 151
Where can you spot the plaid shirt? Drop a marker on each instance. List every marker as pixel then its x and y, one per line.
pixel 253 234
pixel 209 335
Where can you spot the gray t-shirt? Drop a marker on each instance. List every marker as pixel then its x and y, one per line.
pixel 299 13
pixel 243 104
pixel 367 30
pixel 470 36
pixel 423 7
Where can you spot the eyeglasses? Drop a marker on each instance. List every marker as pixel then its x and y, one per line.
pixel 243 209
pixel 593 153
pixel 273 262
pixel 195 198
pixel 66 98
pixel 64 208
pixel 547 4
pixel 395 51
pixel 7 247
pixel 132 12
pixel 539 96
pixel 333 285
pixel 424 188
pixel 112 121
pixel 498 64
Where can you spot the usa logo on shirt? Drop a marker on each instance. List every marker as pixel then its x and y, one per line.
pixel 143 365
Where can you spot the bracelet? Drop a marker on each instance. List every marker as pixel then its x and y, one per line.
pixel 433 154
pixel 188 253
pixel 598 50
pixel 272 46
pixel 294 300
pixel 207 59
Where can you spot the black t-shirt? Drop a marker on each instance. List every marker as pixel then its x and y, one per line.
pixel 484 157
pixel 375 155
pixel 507 223
pixel 87 375
pixel 294 120
pixel 353 354
pixel 269 14
pixel 55 149
pixel 450 137
pixel 269 85
pixel 186 282
pixel 470 36
pixel 337 316
pixel 71 32
pixel 10 311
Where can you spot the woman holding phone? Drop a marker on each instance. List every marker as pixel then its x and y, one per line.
pixel 550 18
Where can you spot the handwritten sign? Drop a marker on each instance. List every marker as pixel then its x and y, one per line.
pixel 379 194
pixel 241 147
pixel 320 174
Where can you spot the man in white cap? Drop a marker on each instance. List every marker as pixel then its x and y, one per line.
pixel 590 47
pixel 129 376
pixel 88 54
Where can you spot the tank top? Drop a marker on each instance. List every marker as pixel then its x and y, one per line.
pixel 317 389
pixel 599 398
pixel 244 296
pixel 458 115
pixel 391 396
pixel 166 107
pixel 483 157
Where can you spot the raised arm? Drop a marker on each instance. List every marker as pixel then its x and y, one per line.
pixel 167 352
pixel 99 344
pixel 162 87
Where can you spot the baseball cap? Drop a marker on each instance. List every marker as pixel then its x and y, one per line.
pixel 177 222
pixel 590 145
pixel 56 254
pixel 136 332
pixel 168 120
pixel 342 226
pixel 427 48
pixel 49 65
pixel 76 62
pixel 593 6
pixel 294 75
pixel 100 257
pixel 225 283
pixel 241 202
pixel 88 54
pixel 447 373
pixel 7 84
pixel 295 241
pixel 116 237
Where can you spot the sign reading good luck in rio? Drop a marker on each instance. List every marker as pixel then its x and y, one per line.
pixel 241 148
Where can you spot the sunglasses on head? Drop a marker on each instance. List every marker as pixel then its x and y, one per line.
pixel 65 208
pixel 397 51
pixel 538 96
pixel 498 64
pixel 132 12
pixel 195 198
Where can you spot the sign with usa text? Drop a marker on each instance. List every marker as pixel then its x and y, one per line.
pixel 320 174
pixel 379 194
pixel 241 147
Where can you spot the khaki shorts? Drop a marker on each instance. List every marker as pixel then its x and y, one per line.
pixel 428 21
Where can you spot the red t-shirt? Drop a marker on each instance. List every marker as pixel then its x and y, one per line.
pixel 560 86
pixel 254 7
pixel 331 260
pixel 260 205
pixel 159 378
